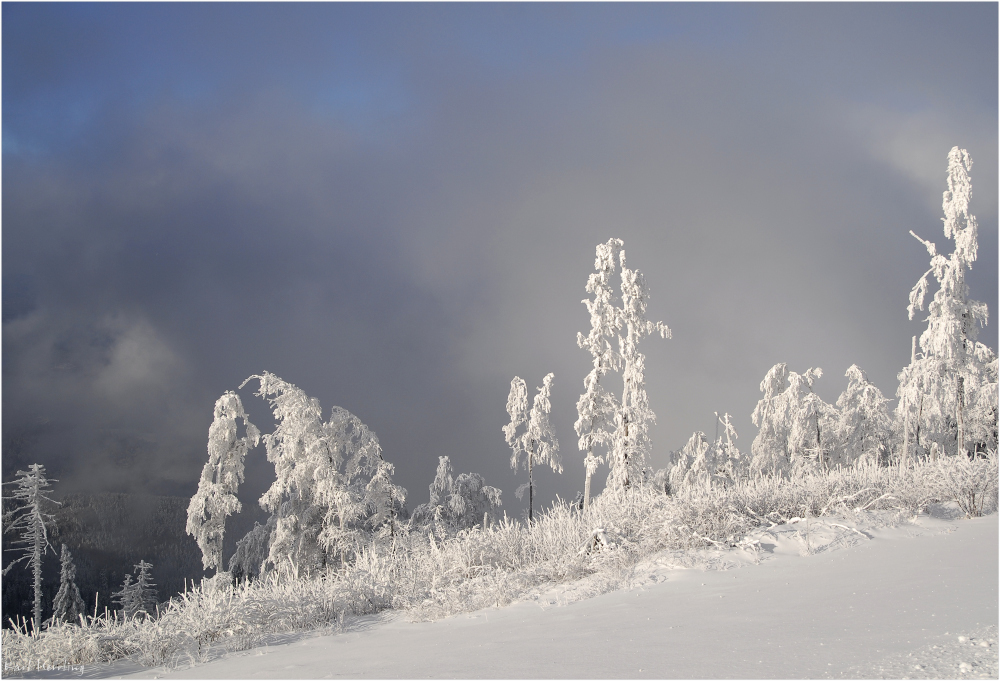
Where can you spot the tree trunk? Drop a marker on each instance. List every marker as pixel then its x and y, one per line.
pixel 920 413
pixel 531 489
pixel 906 436
pixel 960 398
pixel 36 622
pixel 819 447
pixel 586 488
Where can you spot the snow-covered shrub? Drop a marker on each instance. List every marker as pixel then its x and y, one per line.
pixel 970 482
pixel 456 503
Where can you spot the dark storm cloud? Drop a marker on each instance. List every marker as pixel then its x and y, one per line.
pixel 396 206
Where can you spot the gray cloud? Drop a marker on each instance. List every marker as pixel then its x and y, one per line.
pixel 396 208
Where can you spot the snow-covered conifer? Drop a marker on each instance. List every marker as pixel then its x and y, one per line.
pixel 29 519
pixel 538 442
pixel 864 426
pixel 456 503
pixel 216 499
pixel 332 489
pixel 949 392
pixel 597 406
pixel 630 445
pixel 137 597
pixel 145 589
pixel 127 598
pixel 68 605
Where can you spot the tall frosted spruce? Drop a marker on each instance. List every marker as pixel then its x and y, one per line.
pixel 630 443
pixel 597 406
pixel 537 443
pixel 29 520
pixel 948 393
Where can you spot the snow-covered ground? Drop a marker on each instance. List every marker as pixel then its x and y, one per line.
pixel 827 598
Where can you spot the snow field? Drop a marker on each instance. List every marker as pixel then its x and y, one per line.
pixel 874 608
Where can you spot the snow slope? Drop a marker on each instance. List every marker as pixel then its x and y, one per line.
pixel 861 603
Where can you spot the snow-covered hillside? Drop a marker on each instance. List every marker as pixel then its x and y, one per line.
pixel 827 598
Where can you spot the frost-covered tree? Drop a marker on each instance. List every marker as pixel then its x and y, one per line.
pixel 29 520
pixel 323 498
pixel 948 394
pixel 597 406
pixel 216 499
pixel 730 461
pixel 537 443
pixel 864 426
pixel 769 449
pixel 704 464
pixel 630 445
pixel 690 467
pixel 68 605
pixel 333 490
pixel 456 503
pixel 791 419
pixel 810 417
pixel 127 598
pixel 145 589
pixel 137 597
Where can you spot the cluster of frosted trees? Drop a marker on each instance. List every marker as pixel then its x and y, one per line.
pixel 30 521
pixel 333 491
pixel 947 394
pixel 612 429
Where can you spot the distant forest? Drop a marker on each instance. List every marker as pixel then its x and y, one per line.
pixel 108 534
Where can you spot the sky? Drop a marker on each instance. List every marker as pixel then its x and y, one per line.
pixel 396 207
